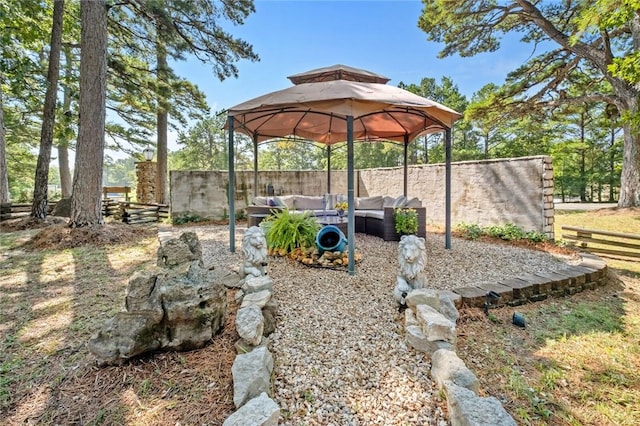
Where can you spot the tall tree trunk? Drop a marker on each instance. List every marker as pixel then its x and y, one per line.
pixel 630 178
pixel 162 119
pixel 4 176
pixel 40 190
pixel 63 143
pixel 86 207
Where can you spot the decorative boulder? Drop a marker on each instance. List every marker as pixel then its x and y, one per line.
pixel 180 308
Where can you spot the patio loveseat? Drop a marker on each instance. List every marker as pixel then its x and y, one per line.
pixel 373 215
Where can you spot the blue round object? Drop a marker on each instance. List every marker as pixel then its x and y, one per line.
pixel 330 238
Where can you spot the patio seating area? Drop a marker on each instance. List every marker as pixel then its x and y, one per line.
pixel 373 215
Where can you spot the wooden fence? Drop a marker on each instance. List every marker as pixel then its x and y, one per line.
pixel 595 241
pixel 126 211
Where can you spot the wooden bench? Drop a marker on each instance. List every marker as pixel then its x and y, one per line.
pixel 123 191
pixel 592 240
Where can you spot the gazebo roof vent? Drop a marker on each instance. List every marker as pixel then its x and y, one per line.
pixel 338 72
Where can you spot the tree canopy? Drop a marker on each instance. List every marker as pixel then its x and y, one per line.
pixel 599 39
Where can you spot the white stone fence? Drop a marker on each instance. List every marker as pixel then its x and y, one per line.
pixel 487 192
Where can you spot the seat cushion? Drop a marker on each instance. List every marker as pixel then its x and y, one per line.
pixel 304 202
pixel 369 203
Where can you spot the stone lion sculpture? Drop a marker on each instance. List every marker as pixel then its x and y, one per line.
pixel 254 248
pixel 412 257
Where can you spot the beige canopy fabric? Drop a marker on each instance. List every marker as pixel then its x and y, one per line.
pixel 318 111
pixel 338 72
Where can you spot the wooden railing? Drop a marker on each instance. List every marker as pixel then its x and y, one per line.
pixel 143 213
pixel 13 211
pixel 125 211
pixel 595 241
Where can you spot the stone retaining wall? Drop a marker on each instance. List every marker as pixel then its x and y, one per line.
pixel 488 192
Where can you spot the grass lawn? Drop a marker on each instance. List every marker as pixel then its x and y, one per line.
pixel 578 360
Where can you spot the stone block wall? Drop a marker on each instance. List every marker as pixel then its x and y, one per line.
pixel 487 192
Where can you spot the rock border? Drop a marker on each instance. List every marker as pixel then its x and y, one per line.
pixel 430 328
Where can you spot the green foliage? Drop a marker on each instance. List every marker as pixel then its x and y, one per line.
pixel 406 221
pixel 187 218
pixel 287 231
pixel 508 232
pixel 471 231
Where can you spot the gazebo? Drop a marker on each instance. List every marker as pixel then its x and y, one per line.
pixel 337 104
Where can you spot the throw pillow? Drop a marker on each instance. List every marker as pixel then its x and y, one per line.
pixel 413 203
pixel 369 203
pixel 399 202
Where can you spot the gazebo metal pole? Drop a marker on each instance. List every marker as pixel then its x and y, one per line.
pixel 255 165
pixel 351 235
pixel 232 185
pixel 329 170
pixel 447 191
pixel 406 156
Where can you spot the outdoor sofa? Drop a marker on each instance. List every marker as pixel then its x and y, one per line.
pixel 373 215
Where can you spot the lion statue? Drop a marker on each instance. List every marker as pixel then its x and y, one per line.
pixel 412 258
pixel 254 248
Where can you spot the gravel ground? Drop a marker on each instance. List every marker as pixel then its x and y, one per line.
pixel 340 356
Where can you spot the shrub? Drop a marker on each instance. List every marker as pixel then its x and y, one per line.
pixel 406 221
pixel 470 231
pixel 508 232
pixel 187 218
pixel 287 231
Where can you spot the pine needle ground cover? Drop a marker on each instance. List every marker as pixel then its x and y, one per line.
pixel 57 287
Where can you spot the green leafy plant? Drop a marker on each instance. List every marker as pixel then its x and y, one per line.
pixel 286 231
pixel 187 218
pixel 406 221
pixel 508 232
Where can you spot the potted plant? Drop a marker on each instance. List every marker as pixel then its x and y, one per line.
pixel 286 231
pixel 406 221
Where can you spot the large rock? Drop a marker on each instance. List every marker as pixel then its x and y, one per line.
pixel 434 325
pixel 180 308
pixel 259 299
pixel 467 409
pixel 250 324
pixel 446 366
pixel 269 312
pixel 448 308
pixel 195 307
pixel 62 208
pixel 251 375
pixel 176 251
pixel 418 341
pixel 260 411
pixel 256 284
pixel 423 296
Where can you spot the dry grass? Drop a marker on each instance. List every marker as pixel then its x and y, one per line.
pixel 57 287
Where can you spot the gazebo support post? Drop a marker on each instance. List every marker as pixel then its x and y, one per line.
pixel 405 162
pixel 329 170
pixel 351 224
pixel 447 190
pixel 232 192
pixel 255 165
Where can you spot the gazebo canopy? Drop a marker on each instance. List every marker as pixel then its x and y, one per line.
pixel 317 108
pixel 337 104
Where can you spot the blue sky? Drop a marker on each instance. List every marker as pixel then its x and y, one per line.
pixel 293 36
